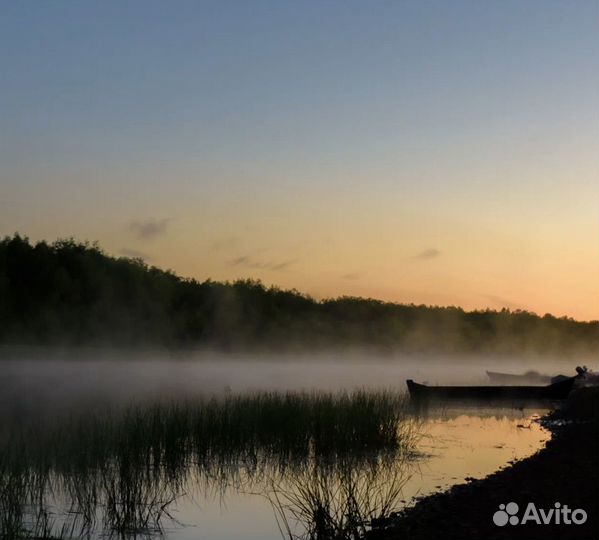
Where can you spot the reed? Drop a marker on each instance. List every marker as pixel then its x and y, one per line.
pixel 133 463
pixel 338 503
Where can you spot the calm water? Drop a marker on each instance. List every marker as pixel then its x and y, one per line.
pixel 260 495
pixel 452 446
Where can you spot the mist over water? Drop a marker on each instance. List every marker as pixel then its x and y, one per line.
pixel 80 432
pixel 65 385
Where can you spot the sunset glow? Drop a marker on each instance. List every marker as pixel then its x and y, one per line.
pixel 359 156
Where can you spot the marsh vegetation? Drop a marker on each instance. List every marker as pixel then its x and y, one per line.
pixel 328 461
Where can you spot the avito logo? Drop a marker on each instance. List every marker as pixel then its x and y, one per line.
pixel 559 514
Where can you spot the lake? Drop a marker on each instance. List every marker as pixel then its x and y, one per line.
pixel 235 449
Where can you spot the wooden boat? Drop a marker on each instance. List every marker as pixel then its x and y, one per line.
pixel 555 391
pixel 530 377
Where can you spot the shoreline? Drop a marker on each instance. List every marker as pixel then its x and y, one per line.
pixel 566 470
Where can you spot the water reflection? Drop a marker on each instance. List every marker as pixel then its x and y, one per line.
pixel 325 465
pixel 461 443
pixel 337 501
pixel 122 472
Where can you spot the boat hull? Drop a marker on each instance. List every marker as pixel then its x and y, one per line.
pixel 511 379
pixel 556 391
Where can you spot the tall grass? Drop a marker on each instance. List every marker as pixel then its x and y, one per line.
pixel 338 503
pixel 123 469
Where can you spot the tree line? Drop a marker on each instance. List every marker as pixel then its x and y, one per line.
pixel 70 293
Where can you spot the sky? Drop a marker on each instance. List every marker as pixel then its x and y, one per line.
pixel 416 151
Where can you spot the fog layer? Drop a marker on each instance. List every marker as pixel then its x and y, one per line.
pixel 66 386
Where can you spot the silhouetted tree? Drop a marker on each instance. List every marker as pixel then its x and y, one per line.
pixel 72 293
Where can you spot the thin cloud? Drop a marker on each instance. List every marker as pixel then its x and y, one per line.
pixel 149 229
pixel 134 254
pixel 241 261
pixel 248 262
pixel 427 254
pixel 284 265
pixel 351 276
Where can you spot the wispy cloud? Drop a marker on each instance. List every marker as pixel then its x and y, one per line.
pixel 430 253
pixel 351 276
pixel 248 262
pixel 134 254
pixel 149 229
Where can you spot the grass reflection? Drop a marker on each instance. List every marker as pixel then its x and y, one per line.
pixel 329 461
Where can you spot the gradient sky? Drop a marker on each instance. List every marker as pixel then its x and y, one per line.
pixel 414 151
